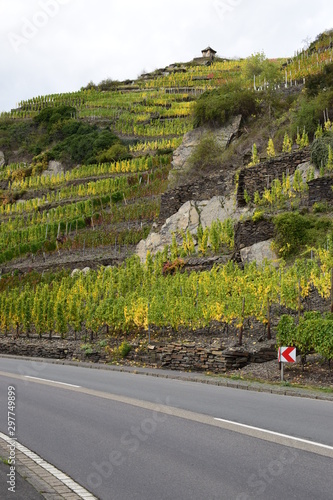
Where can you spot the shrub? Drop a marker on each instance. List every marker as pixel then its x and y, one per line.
pixel 320 207
pixel 122 351
pixel 314 333
pixel 170 268
pixel 207 155
pixel 216 107
pixel 53 115
pixel 108 84
pixel 310 112
pixel 114 153
pixel 317 83
pixel 319 149
pixel 286 331
pixel 290 232
pixel 87 348
pixel 84 144
pixel 15 135
pixel 258 215
pixel 294 230
pixel 50 246
pixel 117 196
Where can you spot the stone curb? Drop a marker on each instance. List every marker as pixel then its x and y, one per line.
pixel 42 479
pixel 188 377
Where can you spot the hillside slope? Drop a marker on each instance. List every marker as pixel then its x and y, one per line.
pixel 86 176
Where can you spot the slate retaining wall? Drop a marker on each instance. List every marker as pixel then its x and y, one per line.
pixel 320 190
pixel 248 233
pixel 172 200
pixel 261 176
pixel 216 359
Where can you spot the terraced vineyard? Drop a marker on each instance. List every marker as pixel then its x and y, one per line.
pixel 94 204
pixel 152 114
pixel 58 216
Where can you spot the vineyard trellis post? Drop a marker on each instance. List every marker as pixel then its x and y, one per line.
pixel 299 300
pixel 148 307
pixel 240 337
pixel 269 335
pixel 332 290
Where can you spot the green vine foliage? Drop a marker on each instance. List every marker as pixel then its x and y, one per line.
pixel 314 333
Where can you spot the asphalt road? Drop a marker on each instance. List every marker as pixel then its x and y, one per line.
pixel 165 443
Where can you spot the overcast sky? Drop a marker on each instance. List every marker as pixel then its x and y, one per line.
pixel 51 46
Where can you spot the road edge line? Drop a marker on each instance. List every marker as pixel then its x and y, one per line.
pixel 51 469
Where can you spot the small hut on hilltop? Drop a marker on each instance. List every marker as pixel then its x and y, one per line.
pixel 208 53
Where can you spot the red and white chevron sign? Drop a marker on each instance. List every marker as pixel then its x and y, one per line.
pixel 287 354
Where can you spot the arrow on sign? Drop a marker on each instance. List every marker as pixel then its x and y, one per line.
pixel 287 354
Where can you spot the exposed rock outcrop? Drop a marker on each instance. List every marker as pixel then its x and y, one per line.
pixel 84 271
pixel 196 191
pixel 259 252
pixel 188 217
pixel 54 168
pixel 304 168
pixel 2 159
pixel 223 136
pixel 253 240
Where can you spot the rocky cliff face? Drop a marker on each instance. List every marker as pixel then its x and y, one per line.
pixel 190 205
pixel 222 135
pixel 188 217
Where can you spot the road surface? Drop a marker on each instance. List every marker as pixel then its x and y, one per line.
pixel 126 436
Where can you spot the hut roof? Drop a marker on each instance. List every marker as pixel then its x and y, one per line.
pixel 209 49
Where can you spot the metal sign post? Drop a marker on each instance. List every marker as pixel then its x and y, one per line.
pixel 286 355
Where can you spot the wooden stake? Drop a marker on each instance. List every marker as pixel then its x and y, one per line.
pixel 332 290
pixel 269 336
pixel 299 300
pixel 240 338
pixel 148 324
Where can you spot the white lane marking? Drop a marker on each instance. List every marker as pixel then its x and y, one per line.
pixel 265 431
pixel 66 480
pixel 52 381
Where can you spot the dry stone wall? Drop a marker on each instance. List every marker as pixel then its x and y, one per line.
pixel 175 355
pixel 172 200
pixel 248 233
pixel 50 349
pixel 261 176
pixel 190 356
pixel 320 190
